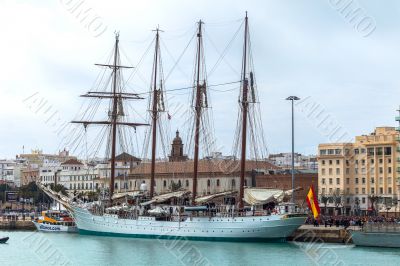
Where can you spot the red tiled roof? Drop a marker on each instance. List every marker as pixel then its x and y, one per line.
pixel 72 162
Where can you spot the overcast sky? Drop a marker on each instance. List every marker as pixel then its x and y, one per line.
pixel 345 65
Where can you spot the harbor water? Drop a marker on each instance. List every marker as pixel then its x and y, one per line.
pixel 37 248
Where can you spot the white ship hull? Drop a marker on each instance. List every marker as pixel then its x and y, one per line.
pixel 55 228
pixel 253 228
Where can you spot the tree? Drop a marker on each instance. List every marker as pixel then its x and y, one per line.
pixel 324 200
pixel 373 199
pixel 175 186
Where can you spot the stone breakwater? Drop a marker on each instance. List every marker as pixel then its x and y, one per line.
pixel 309 233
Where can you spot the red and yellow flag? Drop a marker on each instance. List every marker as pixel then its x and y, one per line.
pixel 313 202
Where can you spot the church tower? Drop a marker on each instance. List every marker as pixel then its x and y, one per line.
pixel 177 150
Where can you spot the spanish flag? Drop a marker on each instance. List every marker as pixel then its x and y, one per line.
pixel 313 202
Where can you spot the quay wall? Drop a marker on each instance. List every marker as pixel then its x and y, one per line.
pixel 309 233
pixel 15 223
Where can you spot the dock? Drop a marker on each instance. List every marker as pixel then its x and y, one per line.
pixel 310 233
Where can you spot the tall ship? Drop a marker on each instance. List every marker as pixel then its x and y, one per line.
pixel 245 214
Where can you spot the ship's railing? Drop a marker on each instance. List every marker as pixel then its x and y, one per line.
pixel 381 227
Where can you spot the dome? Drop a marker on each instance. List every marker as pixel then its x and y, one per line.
pixel 177 139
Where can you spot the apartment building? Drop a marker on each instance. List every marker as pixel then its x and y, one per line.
pixel 356 178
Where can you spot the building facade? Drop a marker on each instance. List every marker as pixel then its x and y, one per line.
pixel 357 178
pixel 283 180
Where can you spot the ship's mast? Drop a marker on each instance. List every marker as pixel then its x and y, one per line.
pixel 154 117
pixel 114 116
pixel 245 105
pixel 116 97
pixel 198 109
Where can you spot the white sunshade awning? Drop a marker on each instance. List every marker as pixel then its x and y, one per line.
pixel 260 196
pixel 165 197
pixel 125 194
pixel 207 198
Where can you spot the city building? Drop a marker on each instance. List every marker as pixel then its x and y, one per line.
pixel 282 179
pixel 215 174
pixel 284 160
pixel 356 178
pixel 77 177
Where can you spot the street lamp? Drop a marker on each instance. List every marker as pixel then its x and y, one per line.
pixel 292 98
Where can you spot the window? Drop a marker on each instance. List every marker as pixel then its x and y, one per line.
pixel 330 162
pixel 338 171
pixel 330 171
pixel 372 161
pixel 363 162
pixel 388 150
pixel 323 181
pixel 363 170
pixel 208 183
pixel 380 161
pixel 389 170
pixel 323 162
pixel 372 190
pixel 323 191
pixel 330 181
pixel 356 162
pixel 331 151
pixel 187 183
pixel 389 190
pixel 347 181
pixel 356 171
pixel 363 180
pixel 381 170
pixel 91 186
pixel 381 190
pixel 370 151
pixel 379 151
pixel 347 171
pixel 389 180
pixel 389 160
pixel 363 190
pixel 348 190
pixel 330 190
pixel 116 185
pixel 322 152
pixel 347 163
pixel 323 171
pixel 337 162
pixel 70 186
pixel 338 151
pixel 356 151
pixel 362 150
pixel 233 183
pixel 356 180
pixel 217 182
pixel 337 181
pixel 372 180
pixel 381 180
pixel 363 200
pixel 356 190
pixel 165 183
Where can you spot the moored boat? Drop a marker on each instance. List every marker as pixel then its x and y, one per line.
pixel 377 235
pixel 55 221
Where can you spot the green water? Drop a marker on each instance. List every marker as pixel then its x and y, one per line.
pixel 35 248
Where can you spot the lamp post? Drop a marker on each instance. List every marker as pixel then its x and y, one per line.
pixel 292 98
